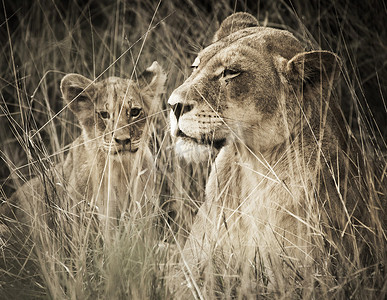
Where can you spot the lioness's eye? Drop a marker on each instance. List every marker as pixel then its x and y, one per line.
pixel 104 114
pixel 134 112
pixel 229 73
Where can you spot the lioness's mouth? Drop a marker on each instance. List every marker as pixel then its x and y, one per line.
pixel 204 140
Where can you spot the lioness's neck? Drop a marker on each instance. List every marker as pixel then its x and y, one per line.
pixel 234 171
pixel 239 167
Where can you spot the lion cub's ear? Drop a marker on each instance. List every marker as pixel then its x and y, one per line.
pixel 234 23
pixel 152 80
pixel 79 92
pixel 314 67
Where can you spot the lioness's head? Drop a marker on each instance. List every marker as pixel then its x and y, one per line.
pixel 251 86
pixel 114 112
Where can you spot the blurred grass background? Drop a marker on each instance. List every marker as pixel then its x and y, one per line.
pixel 43 40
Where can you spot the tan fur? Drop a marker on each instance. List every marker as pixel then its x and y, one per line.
pixel 109 168
pixel 280 188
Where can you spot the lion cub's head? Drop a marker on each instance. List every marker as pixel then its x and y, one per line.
pixel 253 86
pixel 114 112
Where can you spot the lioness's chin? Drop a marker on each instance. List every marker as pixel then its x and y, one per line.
pixel 192 151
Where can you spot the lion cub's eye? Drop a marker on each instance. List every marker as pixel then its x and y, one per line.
pixel 104 114
pixel 135 112
pixel 229 73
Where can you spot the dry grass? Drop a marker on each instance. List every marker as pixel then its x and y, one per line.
pixel 43 40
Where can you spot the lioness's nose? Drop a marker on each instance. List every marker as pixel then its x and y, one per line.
pixel 180 109
pixel 122 142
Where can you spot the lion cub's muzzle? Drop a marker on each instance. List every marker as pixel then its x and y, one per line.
pixel 121 145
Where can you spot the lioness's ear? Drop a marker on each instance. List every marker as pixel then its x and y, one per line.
pixel 234 23
pixel 78 91
pixel 152 80
pixel 314 67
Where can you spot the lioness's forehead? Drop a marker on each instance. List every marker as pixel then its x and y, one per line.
pixel 252 42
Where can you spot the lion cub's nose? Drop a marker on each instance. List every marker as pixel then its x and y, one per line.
pixel 122 142
pixel 180 109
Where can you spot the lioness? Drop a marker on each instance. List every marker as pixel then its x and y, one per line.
pixel 108 167
pixel 282 198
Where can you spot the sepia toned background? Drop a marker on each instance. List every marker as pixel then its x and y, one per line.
pixel 41 41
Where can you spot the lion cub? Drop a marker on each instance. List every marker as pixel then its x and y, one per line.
pixel 108 167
